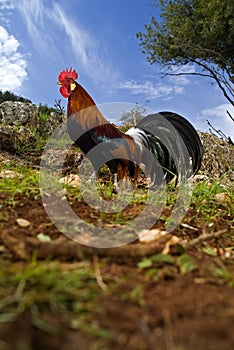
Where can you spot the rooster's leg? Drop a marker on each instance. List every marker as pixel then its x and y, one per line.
pixel 92 177
pixel 136 174
pixel 115 182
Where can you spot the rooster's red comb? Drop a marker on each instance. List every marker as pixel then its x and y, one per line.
pixel 68 74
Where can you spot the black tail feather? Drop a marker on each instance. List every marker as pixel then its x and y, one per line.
pixel 174 142
pixel 189 136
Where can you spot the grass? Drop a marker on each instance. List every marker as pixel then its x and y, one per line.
pixel 40 137
pixel 220 270
pixel 73 294
pixel 206 191
pixel 22 181
pixel 52 286
pixel 205 206
pixel 203 202
pixel 184 263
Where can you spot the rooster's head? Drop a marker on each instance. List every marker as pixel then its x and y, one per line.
pixel 67 81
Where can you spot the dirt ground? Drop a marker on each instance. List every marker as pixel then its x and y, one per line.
pixel 175 311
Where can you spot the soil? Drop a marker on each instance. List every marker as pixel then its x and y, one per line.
pixel 176 311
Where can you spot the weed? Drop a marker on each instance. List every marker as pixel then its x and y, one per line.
pixel 24 181
pixel 220 270
pixel 203 200
pixel 40 286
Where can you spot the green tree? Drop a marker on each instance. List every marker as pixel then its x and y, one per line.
pixel 10 96
pixel 132 117
pixel 44 109
pixel 200 32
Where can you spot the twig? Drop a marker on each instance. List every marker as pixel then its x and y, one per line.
pixel 229 114
pixel 147 334
pixel 98 275
pixel 219 132
pixel 60 109
pixel 64 248
pixel 169 338
pixel 204 237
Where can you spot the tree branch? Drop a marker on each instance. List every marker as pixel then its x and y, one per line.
pixel 219 78
pixel 205 237
pixel 229 114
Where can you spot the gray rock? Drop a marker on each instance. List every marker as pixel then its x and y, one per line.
pixel 218 158
pixel 14 139
pixel 52 122
pixel 18 120
pixel 19 114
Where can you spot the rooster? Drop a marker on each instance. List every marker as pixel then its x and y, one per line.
pixel 165 145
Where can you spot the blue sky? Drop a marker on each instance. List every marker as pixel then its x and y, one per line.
pixel 39 38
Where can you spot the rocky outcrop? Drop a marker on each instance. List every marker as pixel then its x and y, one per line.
pixel 18 120
pixel 15 139
pixel 218 158
pixel 20 125
pixel 19 114
pixel 47 126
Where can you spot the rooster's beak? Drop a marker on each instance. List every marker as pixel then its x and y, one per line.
pixel 59 83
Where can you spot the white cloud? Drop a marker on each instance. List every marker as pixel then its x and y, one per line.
pixel 218 111
pixel 5 8
pixel 153 90
pixel 183 78
pixel 6 5
pixel 38 20
pixel 150 89
pixel 86 48
pixel 219 118
pixel 49 27
pixel 12 62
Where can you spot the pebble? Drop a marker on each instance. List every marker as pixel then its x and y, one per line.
pixel 23 222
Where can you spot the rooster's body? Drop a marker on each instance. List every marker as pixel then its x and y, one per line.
pixel 162 144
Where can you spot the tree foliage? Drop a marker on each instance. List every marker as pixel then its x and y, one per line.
pixel 132 117
pixel 200 32
pixel 44 109
pixel 57 109
pixel 10 96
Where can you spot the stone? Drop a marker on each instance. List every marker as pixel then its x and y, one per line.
pixel 71 179
pixel 218 158
pixel 10 174
pixel 23 222
pixel 18 120
pixel 15 139
pixel 19 114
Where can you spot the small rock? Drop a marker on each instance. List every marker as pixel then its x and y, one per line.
pixel 151 235
pixel 2 249
pixel 172 241
pixel 72 180
pixel 43 238
pixel 200 177
pixel 23 222
pixel 222 198
pixel 10 174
